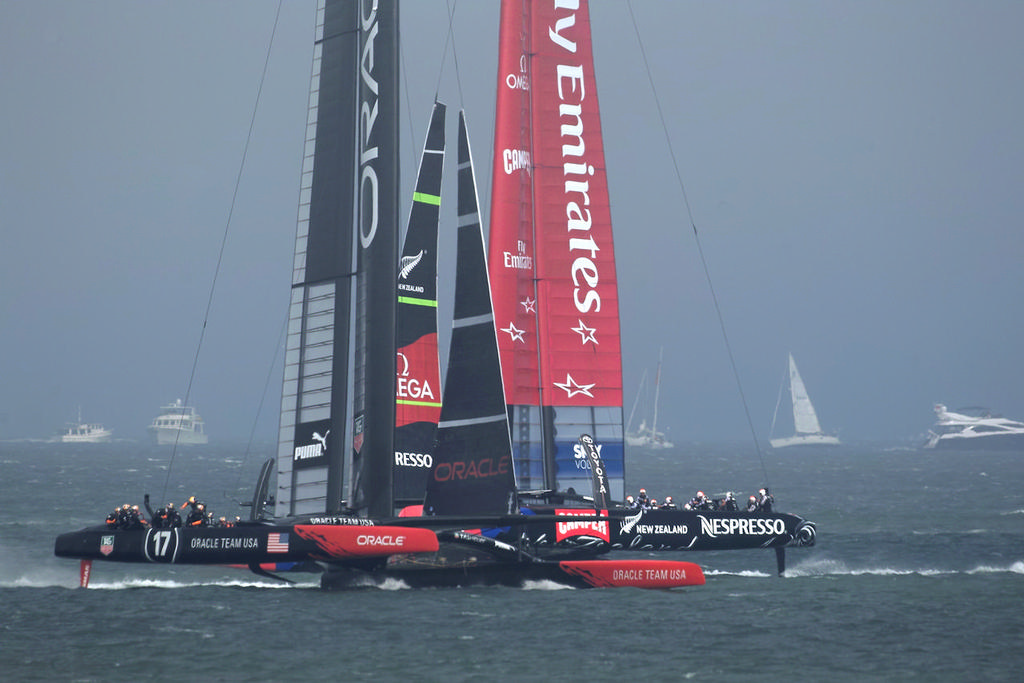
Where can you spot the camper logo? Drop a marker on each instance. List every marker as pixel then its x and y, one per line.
pixel 106 545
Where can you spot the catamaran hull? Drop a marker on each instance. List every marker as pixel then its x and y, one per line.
pixel 244 544
pixel 661 529
pixel 355 555
pixel 600 573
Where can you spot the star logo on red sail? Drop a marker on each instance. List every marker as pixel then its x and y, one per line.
pixel 529 305
pixel 586 333
pixel 515 333
pixel 571 388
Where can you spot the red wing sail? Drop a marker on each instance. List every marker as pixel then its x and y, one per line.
pixel 552 263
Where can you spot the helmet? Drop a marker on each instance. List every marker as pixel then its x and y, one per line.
pixel 762 491
pixel 629 499
pixel 729 495
pixel 643 491
pixel 700 494
pixel 668 499
pixel 753 498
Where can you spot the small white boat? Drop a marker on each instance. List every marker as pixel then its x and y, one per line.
pixel 978 431
pixel 805 419
pixel 84 432
pixel 178 424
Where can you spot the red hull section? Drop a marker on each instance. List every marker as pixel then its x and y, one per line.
pixel 368 541
pixel 635 573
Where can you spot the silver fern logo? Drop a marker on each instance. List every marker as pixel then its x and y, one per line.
pixel 407 264
pixel 629 522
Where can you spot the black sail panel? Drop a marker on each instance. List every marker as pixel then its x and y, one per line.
pixel 472 469
pixel 311 445
pixel 418 381
pixel 377 258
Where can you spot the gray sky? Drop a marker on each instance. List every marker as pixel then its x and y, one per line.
pixel 854 171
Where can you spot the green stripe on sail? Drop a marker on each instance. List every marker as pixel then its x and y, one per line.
pixel 417 302
pixel 418 403
pixel 434 199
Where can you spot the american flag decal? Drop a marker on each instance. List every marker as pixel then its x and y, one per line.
pixel 277 543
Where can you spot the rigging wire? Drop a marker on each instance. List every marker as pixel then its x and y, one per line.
pixel 259 408
pixel 696 238
pixel 224 238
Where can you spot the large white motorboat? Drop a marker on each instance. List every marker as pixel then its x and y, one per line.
pixel 974 429
pixel 178 424
pixel 805 419
pixel 83 432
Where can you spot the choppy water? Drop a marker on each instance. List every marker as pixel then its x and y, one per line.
pixel 918 575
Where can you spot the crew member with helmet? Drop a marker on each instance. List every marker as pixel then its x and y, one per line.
pixel 766 500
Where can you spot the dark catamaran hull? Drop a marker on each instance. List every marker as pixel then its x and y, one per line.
pixel 359 552
pixel 557 544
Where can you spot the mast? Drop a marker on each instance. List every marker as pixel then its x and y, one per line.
pixel 657 392
pixel 551 256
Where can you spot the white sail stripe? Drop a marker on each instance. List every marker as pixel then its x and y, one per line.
pixel 474 320
pixel 472 421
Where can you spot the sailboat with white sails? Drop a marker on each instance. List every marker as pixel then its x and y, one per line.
pixel 644 436
pixel 805 418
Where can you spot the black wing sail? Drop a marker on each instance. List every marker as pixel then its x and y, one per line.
pixel 418 383
pixel 314 396
pixel 472 470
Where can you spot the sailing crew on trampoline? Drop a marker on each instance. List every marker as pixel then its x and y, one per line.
pixel 668 504
pixel 641 500
pixel 752 504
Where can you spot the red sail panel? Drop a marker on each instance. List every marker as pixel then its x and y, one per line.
pixel 511 255
pixel 552 263
pixel 577 287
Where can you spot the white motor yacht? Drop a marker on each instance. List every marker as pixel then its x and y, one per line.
pixel 974 429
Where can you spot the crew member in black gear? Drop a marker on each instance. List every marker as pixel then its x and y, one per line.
pixel 766 500
pixel 173 518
